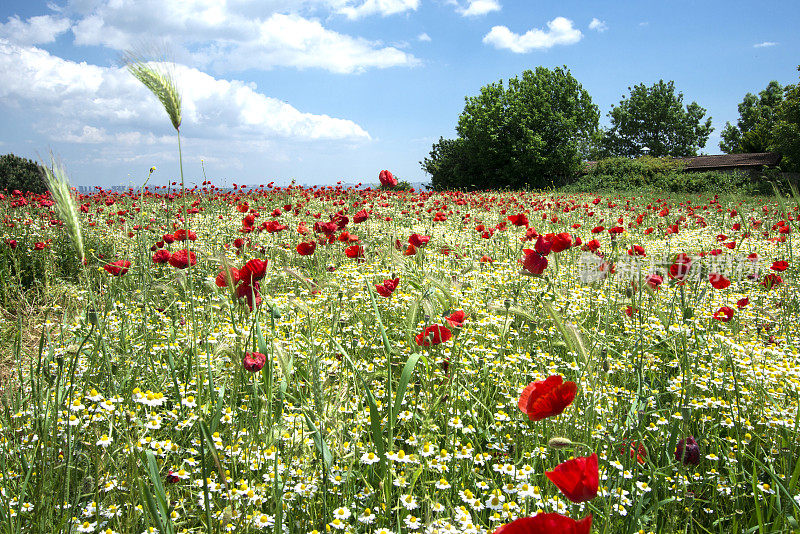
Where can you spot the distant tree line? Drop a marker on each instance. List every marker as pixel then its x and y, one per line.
pixel 537 130
pixel 21 174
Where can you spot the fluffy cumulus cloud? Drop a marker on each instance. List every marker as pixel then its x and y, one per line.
pixel 357 10
pixel 82 103
pixel 476 8
pixel 598 25
pixel 36 30
pixel 560 31
pixel 242 35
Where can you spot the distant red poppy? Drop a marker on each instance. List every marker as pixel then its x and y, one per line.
pixel 354 251
pixel 654 281
pixel 741 303
pixel 718 281
pixel 12 243
pixel 254 361
pixel 360 217
pixel 433 335
pixel 519 220
pixel 161 255
pixel 253 271
pixel 547 398
pixel 222 278
pixel 387 287
pixel 410 251
pixel 307 248
pixel 456 319
pixel 578 479
pixel 636 250
pixel 680 267
pixel 561 241
pixel 39 246
pixel 533 262
pixel 117 268
pixel 724 314
pixel 418 240
pixel 547 524
pixel 780 265
pixel 771 280
pixel 486 259
pixel 180 259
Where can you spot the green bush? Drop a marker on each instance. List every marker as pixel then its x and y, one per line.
pixel 644 168
pixel 22 174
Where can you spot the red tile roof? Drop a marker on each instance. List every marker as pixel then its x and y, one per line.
pixel 755 159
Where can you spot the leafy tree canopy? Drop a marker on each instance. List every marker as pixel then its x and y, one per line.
pixel 754 130
pixel 786 133
pixel 528 134
pixel 22 174
pixel 655 117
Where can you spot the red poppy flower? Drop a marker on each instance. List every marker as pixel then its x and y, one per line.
pixel 598 229
pixel 117 268
pixel 544 245
pixel 410 251
pixel 161 256
pixel 578 479
pixel 12 243
pixel 561 241
pixel 180 259
pixel 456 319
pixel 39 246
pixel 387 287
pixel 533 262
pixel 168 238
pixel 724 314
pixel 592 245
pixel 418 240
pixel 254 361
pixel 249 292
pixel 360 217
pixel 780 265
pixel 771 280
pixel 636 250
pixel 518 220
pixel 486 259
pixel 222 278
pixel 433 335
pixel 547 398
pixel 354 251
pixel 741 303
pixel 654 281
pixel 253 271
pixel 718 281
pixel 307 248
pixel 547 524
pixel 386 179
pixel 680 267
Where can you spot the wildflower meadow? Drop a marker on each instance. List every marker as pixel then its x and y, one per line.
pixel 374 360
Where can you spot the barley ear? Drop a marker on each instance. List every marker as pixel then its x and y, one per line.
pixel 58 184
pixel 160 82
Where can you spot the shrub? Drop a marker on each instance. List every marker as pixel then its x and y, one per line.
pixel 22 174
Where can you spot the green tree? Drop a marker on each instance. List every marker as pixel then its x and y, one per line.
pixel 757 118
pixel 22 174
pixel 532 133
pixel 655 117
pixel 786 134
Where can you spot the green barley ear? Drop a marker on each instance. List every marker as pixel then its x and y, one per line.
pixel 58 184
pixel 161 84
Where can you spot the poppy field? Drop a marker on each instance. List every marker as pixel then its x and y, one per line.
pixel 369 360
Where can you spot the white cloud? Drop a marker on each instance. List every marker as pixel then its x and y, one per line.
pixel 374 7
pixel 35 30
pixel 765 44
pixel 559 32
pixel 424 37
pixel 82 103
pixel 476 8
pixel 241 35
pixel 598 25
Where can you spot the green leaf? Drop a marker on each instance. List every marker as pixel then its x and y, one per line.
pixel 408 370
pixel 322 447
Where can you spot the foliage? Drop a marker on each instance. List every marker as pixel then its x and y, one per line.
pixel 655 117
pixel 528 134
pixel 21 174
pixel 787 128
pixel 754 130
pixel 664 174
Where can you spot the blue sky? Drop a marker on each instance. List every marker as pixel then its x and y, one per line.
pixel 329 90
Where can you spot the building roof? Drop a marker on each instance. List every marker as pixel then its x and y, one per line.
pixel 754 159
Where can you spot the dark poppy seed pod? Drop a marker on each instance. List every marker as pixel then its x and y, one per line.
pixel 688 451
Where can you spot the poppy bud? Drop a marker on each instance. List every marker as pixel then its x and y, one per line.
pixel 559 443
pixel 688 451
